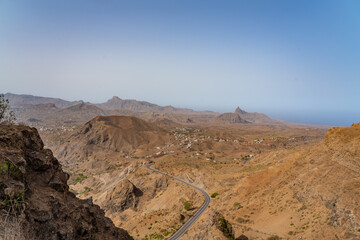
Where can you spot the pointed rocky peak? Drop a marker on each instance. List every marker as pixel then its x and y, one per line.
pixel 239 110
pixel 115 99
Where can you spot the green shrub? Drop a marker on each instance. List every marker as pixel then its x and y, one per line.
pixel 187 205
pixel 226 228
pixel 214 195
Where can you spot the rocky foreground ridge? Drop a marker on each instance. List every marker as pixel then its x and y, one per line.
pixel 33 188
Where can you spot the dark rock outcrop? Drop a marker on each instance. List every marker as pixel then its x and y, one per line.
pixel 242 237
pixel 231 118
pixel 124 195
pixel 224 226
pixel 32 178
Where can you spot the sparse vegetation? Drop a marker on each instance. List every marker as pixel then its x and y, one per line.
pixel 9 168
pixel 86 190
pixel 156 236
pixel 242 220
pixel 79 179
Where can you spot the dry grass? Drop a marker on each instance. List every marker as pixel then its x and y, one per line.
pixel 10 226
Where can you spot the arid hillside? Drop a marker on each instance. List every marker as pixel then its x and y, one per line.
pixel 309 193
pixel 232 160
pixel 35 201
pixel 112 133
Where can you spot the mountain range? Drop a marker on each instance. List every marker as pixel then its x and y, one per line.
pixel 36 109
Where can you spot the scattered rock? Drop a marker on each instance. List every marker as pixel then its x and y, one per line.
pixel 123 196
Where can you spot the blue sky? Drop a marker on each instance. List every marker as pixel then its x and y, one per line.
pixel 293 60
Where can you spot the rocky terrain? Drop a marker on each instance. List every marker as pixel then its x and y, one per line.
pixel 149 205
pixel 35 201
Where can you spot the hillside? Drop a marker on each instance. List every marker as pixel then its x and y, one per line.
pixel 146 203
pixel 121 134
pixel 33 190
pixel 306 193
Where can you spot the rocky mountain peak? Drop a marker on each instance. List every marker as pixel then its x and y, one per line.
pixel 114 99
pixel 239 111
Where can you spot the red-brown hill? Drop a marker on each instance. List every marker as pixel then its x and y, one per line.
pixel 114 133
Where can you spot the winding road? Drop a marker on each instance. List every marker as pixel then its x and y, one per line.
pixel 195 217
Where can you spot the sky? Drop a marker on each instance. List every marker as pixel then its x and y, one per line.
pixel 293 60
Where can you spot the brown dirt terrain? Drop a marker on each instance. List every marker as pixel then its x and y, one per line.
pixel 272 180
pixel 311 193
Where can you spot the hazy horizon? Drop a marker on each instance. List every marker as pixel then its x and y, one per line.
pixel 290 116
pixel 295 61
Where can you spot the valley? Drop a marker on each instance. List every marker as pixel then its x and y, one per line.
pixel 179 120
pixel 266 181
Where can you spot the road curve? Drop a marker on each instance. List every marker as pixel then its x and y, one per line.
pixel 195 217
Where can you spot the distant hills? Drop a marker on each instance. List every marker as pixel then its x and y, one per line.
pixel 36 109
pixel 115 103
pixel 22 99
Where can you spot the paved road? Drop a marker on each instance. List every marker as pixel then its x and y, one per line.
pixel 195 217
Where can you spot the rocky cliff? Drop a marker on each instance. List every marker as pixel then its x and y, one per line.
pixel 34 192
